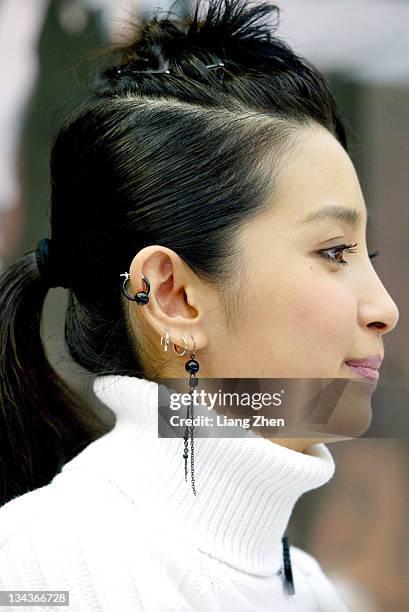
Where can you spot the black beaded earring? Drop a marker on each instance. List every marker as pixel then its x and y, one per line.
pixel 141 297
pixel 191 366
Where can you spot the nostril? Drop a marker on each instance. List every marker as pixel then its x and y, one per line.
pixel 377 324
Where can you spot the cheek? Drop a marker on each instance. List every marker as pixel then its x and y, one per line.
pixel 316 326
pixel 300 325
pixel 326 313
pixel 305 306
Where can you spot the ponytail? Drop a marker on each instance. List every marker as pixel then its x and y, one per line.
pixel 43 422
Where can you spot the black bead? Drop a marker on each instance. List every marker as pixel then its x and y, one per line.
pixel 141 297
pixel 192 366
pixel 184 455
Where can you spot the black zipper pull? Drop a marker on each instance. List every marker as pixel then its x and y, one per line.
pixel 288 574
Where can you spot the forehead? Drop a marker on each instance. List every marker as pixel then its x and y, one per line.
pixel 318 183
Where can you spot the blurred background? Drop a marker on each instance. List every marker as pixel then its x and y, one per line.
pixel 357 526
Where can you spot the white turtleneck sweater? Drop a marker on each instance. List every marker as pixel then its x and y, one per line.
pixel 120 529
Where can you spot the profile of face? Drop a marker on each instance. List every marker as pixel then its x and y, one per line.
pixel 304 312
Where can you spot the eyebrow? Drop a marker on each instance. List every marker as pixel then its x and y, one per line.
pixel 350 216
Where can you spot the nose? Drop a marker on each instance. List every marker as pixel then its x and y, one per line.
pixel 378 310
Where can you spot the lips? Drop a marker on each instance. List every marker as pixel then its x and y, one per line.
pixel 366 367
pixel 371 361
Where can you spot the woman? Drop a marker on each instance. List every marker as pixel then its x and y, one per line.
pixel 202 196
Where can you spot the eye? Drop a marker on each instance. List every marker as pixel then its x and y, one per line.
pixel 339 249
pixel 335 253
pixel 374 254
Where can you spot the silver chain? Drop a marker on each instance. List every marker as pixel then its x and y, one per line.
pixel 189 432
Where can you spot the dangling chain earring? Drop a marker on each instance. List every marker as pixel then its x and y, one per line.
pixel 191 366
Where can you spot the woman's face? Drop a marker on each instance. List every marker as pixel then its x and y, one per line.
pixel 304 315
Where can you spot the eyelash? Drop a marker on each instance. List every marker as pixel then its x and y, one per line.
pixel 339 249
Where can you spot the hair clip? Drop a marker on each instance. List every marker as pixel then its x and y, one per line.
pixel 167 71
pixel 219 65
pixel 153 71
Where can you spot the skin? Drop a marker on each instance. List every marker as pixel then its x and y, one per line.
pixel 302 315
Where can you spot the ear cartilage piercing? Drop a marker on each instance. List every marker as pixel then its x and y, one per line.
pixel 141 297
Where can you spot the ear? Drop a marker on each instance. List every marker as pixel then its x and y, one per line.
pixel 177 298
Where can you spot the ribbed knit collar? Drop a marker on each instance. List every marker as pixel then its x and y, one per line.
pixel 246 487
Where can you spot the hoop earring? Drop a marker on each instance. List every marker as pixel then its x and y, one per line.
pixel 164 340
pixel 141 297
pixel 184 350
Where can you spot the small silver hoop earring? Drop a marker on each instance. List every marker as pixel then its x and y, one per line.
pixel 185 350
pixel 164 341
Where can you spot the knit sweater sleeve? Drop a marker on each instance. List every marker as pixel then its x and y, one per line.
pixel 52 539
pixel 19 566
pixel 77 536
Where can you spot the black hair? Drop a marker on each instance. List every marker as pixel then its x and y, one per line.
pixel 180 159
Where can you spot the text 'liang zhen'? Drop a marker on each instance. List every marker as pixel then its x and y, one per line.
pixel 257 420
